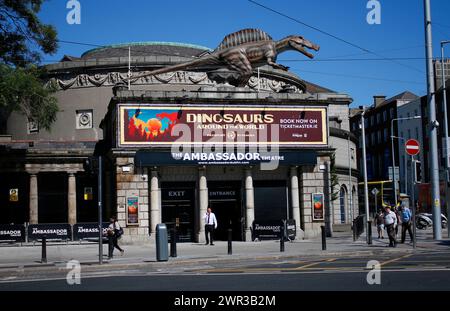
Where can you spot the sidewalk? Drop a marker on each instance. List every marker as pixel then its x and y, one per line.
pixel 341 244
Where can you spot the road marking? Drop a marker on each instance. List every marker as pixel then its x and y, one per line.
pixel 395 259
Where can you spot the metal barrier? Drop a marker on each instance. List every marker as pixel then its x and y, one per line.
pixel 358 226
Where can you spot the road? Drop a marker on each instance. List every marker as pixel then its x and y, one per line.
pixel 411 271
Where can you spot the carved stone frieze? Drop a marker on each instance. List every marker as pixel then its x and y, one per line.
pixel 178 77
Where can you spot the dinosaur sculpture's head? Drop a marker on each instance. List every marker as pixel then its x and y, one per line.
pixel 299 43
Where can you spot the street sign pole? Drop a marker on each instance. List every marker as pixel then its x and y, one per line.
pixel 413 185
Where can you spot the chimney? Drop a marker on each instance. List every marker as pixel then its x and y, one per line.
pixel 378 99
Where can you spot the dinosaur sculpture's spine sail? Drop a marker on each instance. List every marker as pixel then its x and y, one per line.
pixel 243 36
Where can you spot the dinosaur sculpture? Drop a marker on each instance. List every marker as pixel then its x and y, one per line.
pixel 242 51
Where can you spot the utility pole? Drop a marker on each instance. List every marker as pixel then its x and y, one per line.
pixel 366 188
pixel 433 153
pixel 446 146
pixel 100 210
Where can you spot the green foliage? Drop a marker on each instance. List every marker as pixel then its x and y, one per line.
pixel 334 180
pixel 21 29
pixel 22 39
pixel 22 90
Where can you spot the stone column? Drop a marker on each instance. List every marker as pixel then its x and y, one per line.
pixel 203 202
pixel 72 199
pixel 249 203
pixel 155 208
pixel 295 202
pixel 33 198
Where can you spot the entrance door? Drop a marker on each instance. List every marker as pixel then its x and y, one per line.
pixel 178 209
pixel 225 202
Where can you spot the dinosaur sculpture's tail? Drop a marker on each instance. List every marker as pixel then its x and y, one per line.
pixel 206 62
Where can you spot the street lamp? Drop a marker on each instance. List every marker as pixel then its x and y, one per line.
pixel 366 188
pixel 447 163
pixel 393 152
pixel 350 192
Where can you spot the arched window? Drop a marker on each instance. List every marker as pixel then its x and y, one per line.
pixel 342 200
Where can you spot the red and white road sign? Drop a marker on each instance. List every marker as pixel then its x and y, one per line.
pixel 412 147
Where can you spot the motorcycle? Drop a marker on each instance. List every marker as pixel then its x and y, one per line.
pixel 425 220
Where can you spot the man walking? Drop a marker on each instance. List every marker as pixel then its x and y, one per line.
pixel 210 225
pixel 406 223
pixel 390 221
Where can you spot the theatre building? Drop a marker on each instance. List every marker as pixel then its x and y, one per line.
pixel 174 144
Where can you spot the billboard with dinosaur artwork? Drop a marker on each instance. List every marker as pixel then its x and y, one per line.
pixel 155 125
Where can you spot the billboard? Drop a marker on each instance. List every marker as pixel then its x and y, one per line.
pixel 153 126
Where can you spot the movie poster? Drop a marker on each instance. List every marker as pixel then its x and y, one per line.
pixel 318 207
pixel 132 211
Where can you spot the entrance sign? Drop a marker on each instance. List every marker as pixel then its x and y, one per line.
pixel 164 126
pixel 318 207
pixel 412 147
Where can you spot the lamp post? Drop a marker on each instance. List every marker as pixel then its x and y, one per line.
pixel 350 192
pixel 406 172
pixel 393 152
pixel 447 162
pixel 366 188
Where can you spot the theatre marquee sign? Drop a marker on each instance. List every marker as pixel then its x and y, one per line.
pixel 163 126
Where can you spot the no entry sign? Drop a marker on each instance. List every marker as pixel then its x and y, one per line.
pixel 412 147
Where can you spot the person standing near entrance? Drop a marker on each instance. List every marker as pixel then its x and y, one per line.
pixel 210 226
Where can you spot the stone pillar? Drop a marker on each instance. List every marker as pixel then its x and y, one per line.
pixel 155 208
pixel 295 202
pixel 72 199
pixel 249 203
pixel 203 202
pixel 33 198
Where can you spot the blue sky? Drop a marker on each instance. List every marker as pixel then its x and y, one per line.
pixel 205 22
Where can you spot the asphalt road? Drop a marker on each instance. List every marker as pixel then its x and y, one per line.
pixel 420 271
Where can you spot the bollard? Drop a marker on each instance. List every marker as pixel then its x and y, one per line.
pixel 44 250
pixel 354 231
pixel 324 241
pixel 230 239
pixel 173 242
pixel 369 233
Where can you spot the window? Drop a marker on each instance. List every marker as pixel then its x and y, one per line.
pixel 32 126
pixel 373 139
pixel 378 118
pixel 385 116
pixel 366 123
pixel 417 133
pixel 84 119
pixel 415 113
pixel 379 137
pixel 409 133
pixel 385 135
pixel 367 139
pixel 392 113
pixel 372 120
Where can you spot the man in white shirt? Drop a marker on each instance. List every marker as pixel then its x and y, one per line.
pixel 210 225
pixel 390 221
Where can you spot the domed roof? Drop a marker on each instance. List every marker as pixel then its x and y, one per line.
pixel 146 49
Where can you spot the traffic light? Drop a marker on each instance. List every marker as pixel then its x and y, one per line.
pixel 90 165
pixel 417 172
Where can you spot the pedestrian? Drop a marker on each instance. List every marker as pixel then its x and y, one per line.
pixel 210 226
pixel 114 232
pixel 406 217
pixel 379 222
pixel 390 221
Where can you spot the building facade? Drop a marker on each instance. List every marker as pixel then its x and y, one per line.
pixel 143 182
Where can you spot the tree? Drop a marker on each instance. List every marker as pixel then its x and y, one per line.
pixel 20 28
pixel 22 90
pixel 22 85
